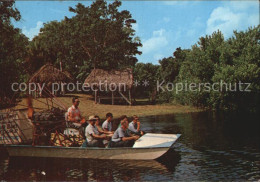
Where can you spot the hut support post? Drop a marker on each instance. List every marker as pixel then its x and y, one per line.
pixel 124 97
pixel 95 96
pixel 112 97
pixel 130 99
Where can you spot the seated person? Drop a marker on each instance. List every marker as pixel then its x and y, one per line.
pixel 100 129
pixel 121 137
pixel 121 118
pixel 74 114
pixel 94 139
pixel 134 127
pixel 107 125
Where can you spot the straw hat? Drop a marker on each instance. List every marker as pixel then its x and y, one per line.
pixel 92 118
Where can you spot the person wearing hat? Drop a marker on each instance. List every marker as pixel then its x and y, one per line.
pixel 94 139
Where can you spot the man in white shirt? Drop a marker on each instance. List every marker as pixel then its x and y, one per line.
pixel 74 114
pixel 121 137
pixel 135 126
pixel 94 139
pixel 107 125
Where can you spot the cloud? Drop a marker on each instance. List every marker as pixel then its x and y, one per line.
pixel 32 31
pixel 223 19
pixel 155 43
pixel 230 17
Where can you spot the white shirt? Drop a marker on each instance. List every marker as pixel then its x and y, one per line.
pixel 107 125
pixel 89 131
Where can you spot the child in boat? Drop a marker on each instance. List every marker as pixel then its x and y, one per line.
pixel 121 138
pixel 135 126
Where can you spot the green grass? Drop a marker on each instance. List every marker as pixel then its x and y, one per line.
pixel 88 107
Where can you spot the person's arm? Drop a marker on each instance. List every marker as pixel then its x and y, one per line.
pixel 70 118
pixel 130 138
pixel 105 126
pixel 138 126
pixel 98 136
pixel 132 128
pixel 124 138
pixel 80 116
pixel 100 130
pixel 108 132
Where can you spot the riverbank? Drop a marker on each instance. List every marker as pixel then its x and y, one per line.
pixel 88 107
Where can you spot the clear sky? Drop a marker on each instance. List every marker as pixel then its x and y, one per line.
pixel 162 25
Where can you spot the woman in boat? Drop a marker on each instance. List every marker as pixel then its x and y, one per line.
pixel 121 138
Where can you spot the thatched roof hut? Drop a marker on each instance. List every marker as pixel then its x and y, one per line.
pixel 49 74
pixel 117 77
pixel 121 80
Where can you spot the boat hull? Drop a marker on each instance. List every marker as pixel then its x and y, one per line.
pixel 91 153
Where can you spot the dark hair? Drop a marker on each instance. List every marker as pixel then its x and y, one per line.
pixel 96 116
pixel 109 115
pixel 122 117
pixel 73 99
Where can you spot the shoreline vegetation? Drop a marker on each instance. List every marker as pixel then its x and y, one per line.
pixel 88 107
pixel 101 37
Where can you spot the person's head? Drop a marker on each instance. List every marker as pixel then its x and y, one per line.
pixel 135 118
pixel 124 124
pixel 123 118
pixel 92 119
pixel 97 120
pixel 75 101
pixel 109 116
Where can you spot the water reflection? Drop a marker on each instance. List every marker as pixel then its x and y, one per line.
pixel 88 169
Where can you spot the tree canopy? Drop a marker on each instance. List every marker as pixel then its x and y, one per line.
pixel 98 36
pixel 13 50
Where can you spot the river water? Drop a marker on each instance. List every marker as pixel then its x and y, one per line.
pixel 213 146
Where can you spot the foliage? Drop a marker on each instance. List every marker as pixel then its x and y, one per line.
pixel 145 77
pixel 13 50
pixel 215 60
pixel 98 36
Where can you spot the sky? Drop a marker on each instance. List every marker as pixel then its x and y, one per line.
pixel 162 26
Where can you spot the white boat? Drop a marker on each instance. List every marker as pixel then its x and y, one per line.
pixel 149 146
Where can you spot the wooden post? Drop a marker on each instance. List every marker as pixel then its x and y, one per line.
pixel 95 96
pixel 129 93
pixel 124 97
pixel 112 97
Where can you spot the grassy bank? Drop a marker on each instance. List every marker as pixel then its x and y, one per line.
pixel 88 107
